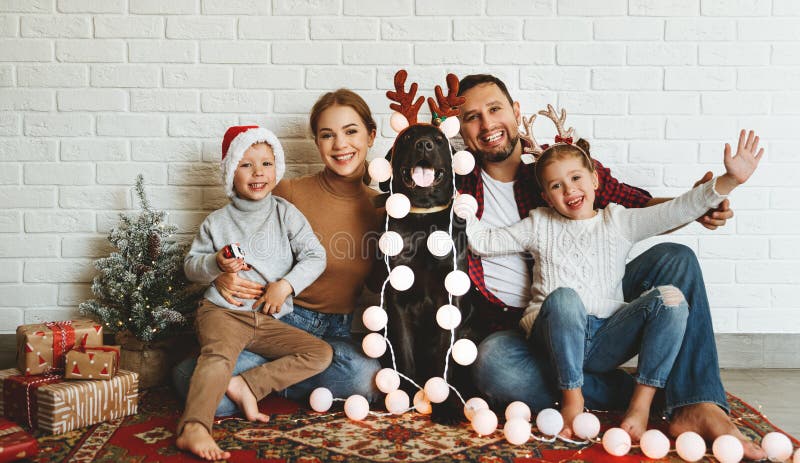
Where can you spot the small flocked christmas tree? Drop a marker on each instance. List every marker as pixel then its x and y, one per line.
pixel 141 287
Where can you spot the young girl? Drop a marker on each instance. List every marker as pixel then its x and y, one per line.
pixel 577 312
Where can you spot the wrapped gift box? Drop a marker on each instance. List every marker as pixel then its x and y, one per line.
pixel 101 362
pixel 56 406
pixel 41 348
pixel 15 443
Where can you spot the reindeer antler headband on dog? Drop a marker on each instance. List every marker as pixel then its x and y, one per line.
pixel 444 115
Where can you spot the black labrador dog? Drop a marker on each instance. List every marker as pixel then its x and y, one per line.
pixel 421 161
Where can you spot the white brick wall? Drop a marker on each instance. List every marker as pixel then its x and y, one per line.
pixel 93 92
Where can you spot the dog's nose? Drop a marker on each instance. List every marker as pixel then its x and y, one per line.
pixel 424 145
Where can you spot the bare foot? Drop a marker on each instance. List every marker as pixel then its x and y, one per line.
pixel 571 406
pixel 635 422
pixel 710 421
pixel 240 393
pixel 196 439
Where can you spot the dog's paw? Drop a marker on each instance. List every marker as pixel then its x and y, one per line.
pixel 447 414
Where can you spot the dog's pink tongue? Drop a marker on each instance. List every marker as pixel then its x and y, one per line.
pixel 422 176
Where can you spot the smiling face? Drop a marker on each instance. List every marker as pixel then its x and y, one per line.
pixel 254 178
pixel 489 123
pixel 343 140
pixel 568 186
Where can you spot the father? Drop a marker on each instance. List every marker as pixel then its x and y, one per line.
pixel 507 369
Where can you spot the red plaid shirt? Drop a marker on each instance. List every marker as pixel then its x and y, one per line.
pixel 528 196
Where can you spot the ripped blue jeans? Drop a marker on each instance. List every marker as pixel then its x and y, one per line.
pixel 651 326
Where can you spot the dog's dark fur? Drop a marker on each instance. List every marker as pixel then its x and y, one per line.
pixel 419 343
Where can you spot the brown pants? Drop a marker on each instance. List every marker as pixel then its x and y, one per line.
pixel 223 334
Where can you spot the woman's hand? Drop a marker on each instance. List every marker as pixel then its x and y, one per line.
pixel 231 285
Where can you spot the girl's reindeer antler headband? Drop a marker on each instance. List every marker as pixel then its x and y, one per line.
pixel 563 137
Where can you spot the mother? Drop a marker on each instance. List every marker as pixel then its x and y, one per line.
pixel 339 207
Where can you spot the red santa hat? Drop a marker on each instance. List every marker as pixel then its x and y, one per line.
pixel 236 141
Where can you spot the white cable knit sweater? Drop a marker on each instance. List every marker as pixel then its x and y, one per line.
pixel 587 255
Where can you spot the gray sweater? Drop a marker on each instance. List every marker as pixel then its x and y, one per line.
pixel 277 240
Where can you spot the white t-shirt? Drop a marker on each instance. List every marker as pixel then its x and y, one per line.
pixel 506 276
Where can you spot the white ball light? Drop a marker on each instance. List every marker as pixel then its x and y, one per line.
pixel 398 122
pixel 517 431
pixel 464 352
pixel 465 205
pixel 356 407
pixel 549 422
pixel 472 406
pixel 457 283
pixel 391 243
pixel 374 318
pixel 436 390
pixel 421 403
pixel 380 169
pixel 374 345
pixel 450 127
pixel 397 402
pixel 387 380
pixel 777 446
pixel 484 422
pixel 448 316
pixel 463 162
pixel 440 243
pixel 321 399
pixel 617 442
pixel 518 410
pixel 586 426
pixel 401 277
pixel 690 446
pixel 727 449
pixel 398 205
pixel 654 444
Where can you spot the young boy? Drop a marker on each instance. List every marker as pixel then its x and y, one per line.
pixel 282 252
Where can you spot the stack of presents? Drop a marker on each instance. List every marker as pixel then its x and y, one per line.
pixel 66 379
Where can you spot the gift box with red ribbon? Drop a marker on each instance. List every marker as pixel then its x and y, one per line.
pixel 100 362
pixel 55 406
pixel 42 348
pixel 15 443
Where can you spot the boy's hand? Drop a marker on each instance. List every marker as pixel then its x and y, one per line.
pixel 232 264
pixel 274 297
pixel 740 167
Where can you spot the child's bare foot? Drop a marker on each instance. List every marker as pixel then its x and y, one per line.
pixel 240 393
pixel 196 439
pixel 635 422
pixel 572 406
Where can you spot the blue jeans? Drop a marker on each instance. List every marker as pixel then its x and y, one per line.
pixel 576 341
pixel 507 369
pixel 350 372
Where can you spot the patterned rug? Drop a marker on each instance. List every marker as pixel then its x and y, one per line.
pixel 297 435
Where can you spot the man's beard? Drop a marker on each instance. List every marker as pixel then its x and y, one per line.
pixel 498 156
